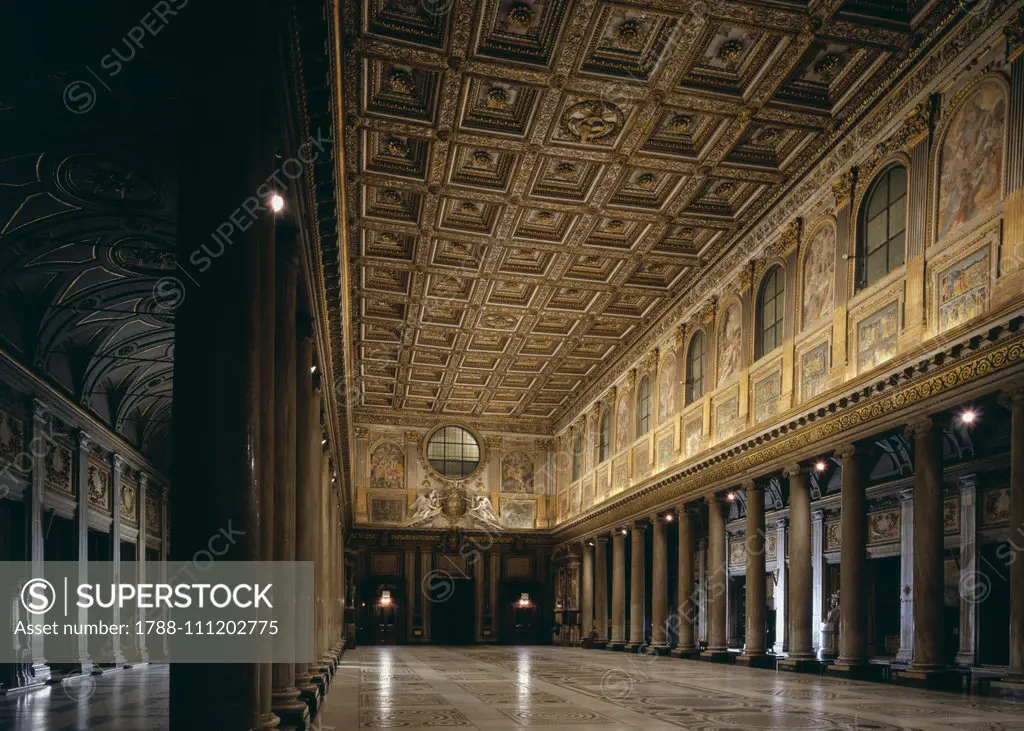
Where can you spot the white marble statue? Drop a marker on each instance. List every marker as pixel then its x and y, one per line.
pixel 425 507
pixel 483 511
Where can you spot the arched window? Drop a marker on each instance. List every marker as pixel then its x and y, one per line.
pixel 770 310
pixel 606 435
pixel 695 369
pixel 643 407
pixel 883 223
pixel 577 457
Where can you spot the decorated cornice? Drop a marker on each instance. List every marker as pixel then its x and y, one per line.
pixel 1013 31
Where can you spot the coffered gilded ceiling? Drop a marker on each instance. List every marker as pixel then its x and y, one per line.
pixel 531 184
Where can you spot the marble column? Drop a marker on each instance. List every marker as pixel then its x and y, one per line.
pixel 618 589
pixel 115 548
pixel 754 647
pixel 817 579
pixel 853 556
pixel 659 585
pixel 801 575
pixel 601 589
pixel 587 589
pixel 686 598
pixel 141 564
pixel 286 702
pixel 717 649
pixel 41 443
pixel 967 654
pixel 928 551
pixel 217 384
pixel 307 478
pixel 702 592
pixel 81 476
pixel 266 257
pixel 781 587
pixel 906 651
pixel 1016 664
pixel 637 589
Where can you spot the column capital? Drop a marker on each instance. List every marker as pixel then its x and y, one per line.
pixel 817 515
pixel 83 440
pixel 969 482
pixel 602 538
pixel 641 524
pixel 1010 396
pixel 750 486
pixel 853 449
pixel 143 482
pixel 781 522
pixel 117 462
pixel 714 499
pixel 921 427
pixel 792 470
pixel 907 495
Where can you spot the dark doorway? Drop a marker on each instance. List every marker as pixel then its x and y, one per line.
pixel 994 611
pixel 883 587
pixel 381 612
pixel 451 616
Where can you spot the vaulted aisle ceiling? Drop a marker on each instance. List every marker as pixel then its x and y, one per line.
pixel 531 185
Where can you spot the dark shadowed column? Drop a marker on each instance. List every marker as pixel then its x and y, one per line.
pixel 601 589
pixel 214 300
pixel 687 600
pixel 852 558
pixel 717 650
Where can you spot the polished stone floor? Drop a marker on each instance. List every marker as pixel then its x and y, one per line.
pixel 497 688
pixel 122 700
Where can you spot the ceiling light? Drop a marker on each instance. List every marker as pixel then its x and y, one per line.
pixel 276 203
pixel 624 531
pixel 969 416
pixel 668 517
pixel 731 496
pixel 820 466
pixel 322 443
pixel 312 369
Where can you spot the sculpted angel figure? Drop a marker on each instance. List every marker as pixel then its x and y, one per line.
pixel 425 507
pixel 483 511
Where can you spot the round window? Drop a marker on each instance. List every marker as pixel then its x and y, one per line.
pixel 453 451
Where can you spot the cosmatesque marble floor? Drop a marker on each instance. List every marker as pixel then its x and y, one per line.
pixel 499 688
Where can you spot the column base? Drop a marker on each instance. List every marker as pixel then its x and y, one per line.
pixel 723 656
pixel 616 646
pixel 857 670
pixel 686 653
pixel 662 650
pixel 966 659
pixel 762 660
pixel 600 644
pixel 932 678
pixel 634 646
pixel 268 720
pixel 807 664
pixel 290 708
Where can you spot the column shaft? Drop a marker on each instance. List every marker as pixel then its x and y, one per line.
pixel 286 703
pixel 853 554
pixel 659 585
pixel 756 574
pixel 967 654
pixel 717 577
pixel 637 593
pixel 801 628
pixel 1016 665
pixel 906 650
pixel 618 589
pixel 928 549
pixel 601 588
pixel 587 589
pixel 686 599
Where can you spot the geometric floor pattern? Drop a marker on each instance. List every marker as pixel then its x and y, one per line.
pixel 498 688
pixel 547 688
